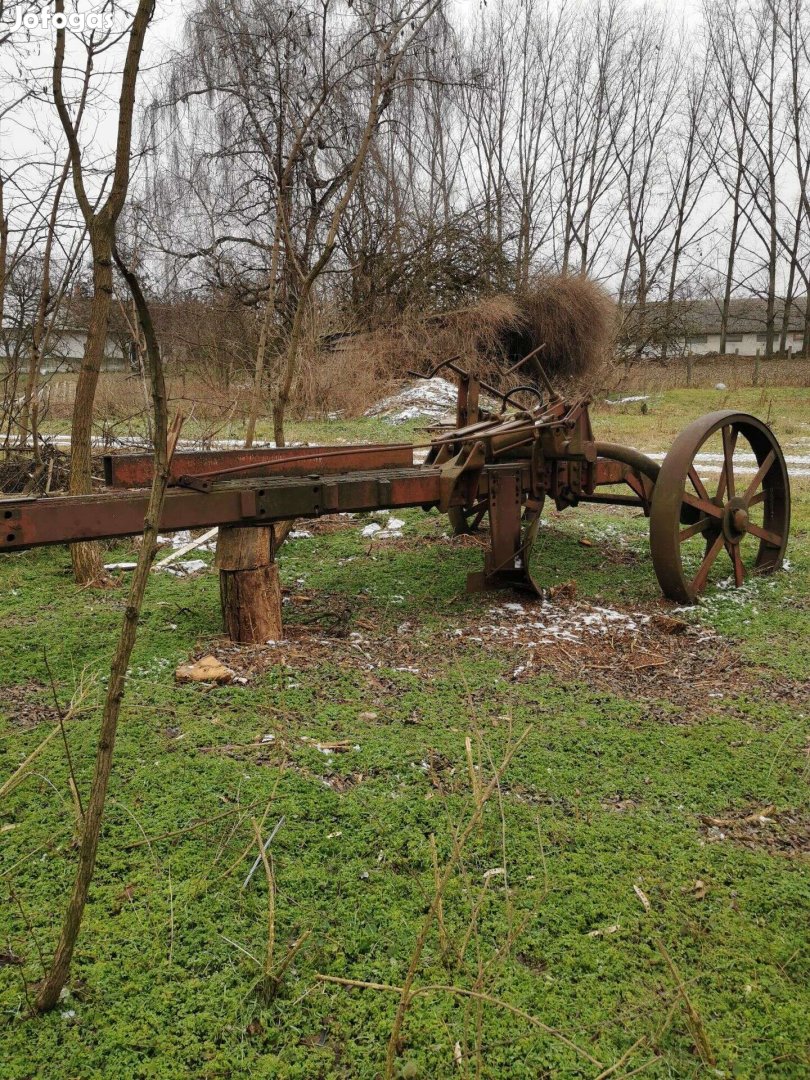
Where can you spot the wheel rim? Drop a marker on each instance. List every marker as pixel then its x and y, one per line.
pixel 738 509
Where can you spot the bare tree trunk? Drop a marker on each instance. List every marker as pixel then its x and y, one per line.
pixel 4 229
pixel 261 352
pixel 791 284
pixel 732 255
pixel 101 223
pixel 86 557
pixel 249 585
pixel 51 988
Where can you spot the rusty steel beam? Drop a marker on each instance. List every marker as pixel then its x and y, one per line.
pixel 26 523
pixel 135 470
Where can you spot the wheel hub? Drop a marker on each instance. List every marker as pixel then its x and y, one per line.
pixel 735 520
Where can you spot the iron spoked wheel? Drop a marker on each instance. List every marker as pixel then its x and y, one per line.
pixel 467 519
pixel 743 515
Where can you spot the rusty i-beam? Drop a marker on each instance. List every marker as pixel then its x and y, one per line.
pixel 502 465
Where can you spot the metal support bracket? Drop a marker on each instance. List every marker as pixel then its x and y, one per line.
pixel 506 564
pixel 470 459
pixel 10 518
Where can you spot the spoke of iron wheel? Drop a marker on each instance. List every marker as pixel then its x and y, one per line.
pixel 706 505
pixel 762 472
pixel 764 534
pixel 635 481
pixel 693 530
pixel 758 498
pixel 700 578
pixel 698 484
pixel 726 483
pixel 736 558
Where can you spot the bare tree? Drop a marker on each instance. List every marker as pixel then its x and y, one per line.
pixel 590 85
pixel 51 294
pixel 733 91
pixel 165 442
pixel 756 40
pixel 689 167
pixel 393 37
pixel 304 92
pixel 100 221
pixel 641 124
pixel 795 30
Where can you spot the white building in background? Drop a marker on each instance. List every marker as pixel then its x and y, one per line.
pixel 746 328
pixel 65 352
pixel 67 349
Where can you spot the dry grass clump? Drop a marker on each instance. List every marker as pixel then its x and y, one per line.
pixel 574 317
pixel 343 379
pixel 476 335
pixel 571 315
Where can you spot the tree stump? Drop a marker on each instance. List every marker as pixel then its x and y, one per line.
pixel 249 586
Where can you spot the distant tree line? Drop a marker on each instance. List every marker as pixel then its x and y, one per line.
pixel 319 166
pixel 668 159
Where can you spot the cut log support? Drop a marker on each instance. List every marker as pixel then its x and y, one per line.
pixel 249 585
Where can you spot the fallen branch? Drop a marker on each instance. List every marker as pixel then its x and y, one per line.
pixel 262 857
pixel 693 1017
pixel 749 819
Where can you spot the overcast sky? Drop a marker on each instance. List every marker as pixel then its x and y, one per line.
pixel 18 133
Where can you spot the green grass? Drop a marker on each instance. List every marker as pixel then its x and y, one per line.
pixel 608 792
pixel 314 431
pixel 653 424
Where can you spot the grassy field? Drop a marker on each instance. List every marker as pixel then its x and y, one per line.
pixel 647 844
pixel 213 413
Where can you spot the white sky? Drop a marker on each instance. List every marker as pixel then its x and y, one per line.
pixel 23 135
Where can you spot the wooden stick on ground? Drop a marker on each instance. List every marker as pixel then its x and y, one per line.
pixel 186 548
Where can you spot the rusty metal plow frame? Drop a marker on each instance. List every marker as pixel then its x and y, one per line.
pixel 505 464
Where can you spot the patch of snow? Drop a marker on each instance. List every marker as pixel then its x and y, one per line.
pixel 744 464
pixel 627 400
pixel 545 622
pixel 299 534
pixel 176 539
pixel 186 566
pixel 430 399
pixel 392 529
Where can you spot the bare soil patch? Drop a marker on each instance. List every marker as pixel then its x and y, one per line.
pixel 776 832
pixel 23 706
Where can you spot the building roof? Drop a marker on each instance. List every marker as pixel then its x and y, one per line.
pixel 747 315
